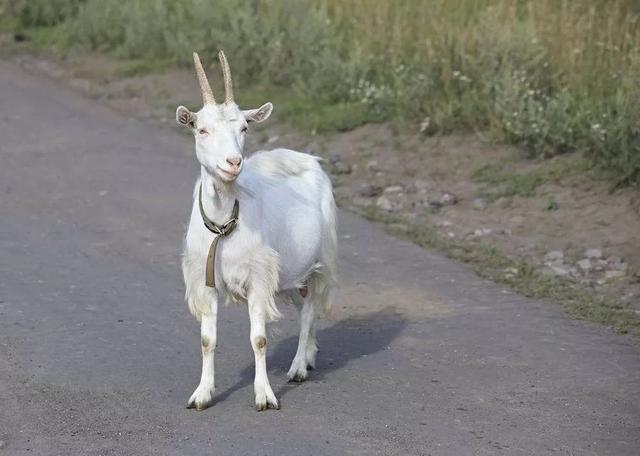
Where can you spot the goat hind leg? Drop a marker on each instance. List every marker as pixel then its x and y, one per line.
pixel 305 355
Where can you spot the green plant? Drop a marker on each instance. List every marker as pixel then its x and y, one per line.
pixel 552 77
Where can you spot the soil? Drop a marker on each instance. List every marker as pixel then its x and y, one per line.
pixel 569 215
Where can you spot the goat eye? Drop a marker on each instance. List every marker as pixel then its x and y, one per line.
pixel 244 129
pixel 203 131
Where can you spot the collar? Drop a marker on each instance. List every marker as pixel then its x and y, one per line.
pixel 221 231
pixel 227 227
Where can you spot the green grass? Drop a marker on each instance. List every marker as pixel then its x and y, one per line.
pixel 306 113
pixel 549 76
pixel 520 275
pixel 501 180
pixel 136 67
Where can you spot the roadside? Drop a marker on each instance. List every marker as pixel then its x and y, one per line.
pixel 549 229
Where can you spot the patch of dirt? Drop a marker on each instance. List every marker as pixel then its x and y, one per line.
pixel 555 213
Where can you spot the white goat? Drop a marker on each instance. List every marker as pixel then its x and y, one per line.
pixel 284 245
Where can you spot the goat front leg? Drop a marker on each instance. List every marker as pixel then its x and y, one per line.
pixel 202 397
pixel 264 394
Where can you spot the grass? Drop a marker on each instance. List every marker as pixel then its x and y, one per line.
pixel 137 67
pixel 502 180
pixel 519 274
pixel 551 76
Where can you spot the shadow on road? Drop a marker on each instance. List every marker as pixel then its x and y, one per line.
pixel 340 343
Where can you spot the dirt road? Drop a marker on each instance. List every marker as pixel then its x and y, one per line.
pixel 98 353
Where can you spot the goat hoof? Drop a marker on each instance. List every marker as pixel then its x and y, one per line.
pixel 298 377
pixel 201 399
pixel 265 402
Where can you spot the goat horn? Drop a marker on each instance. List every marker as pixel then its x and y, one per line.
pixel 207 93
pixel 226 72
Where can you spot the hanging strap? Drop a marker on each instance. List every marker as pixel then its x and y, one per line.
pixel 220 231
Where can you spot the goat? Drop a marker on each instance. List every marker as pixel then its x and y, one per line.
pixel 280 245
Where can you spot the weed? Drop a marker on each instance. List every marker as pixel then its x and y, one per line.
pixel 501 180
pixel 552 77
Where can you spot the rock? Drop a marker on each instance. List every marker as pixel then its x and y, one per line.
pixel 614 275
pixel 479 204
pixel 341 167
pixel 599 265
pixel 372 165
pixel 393 189
pixel 593 253
pixel 448 199
pixel 333 158
pixel 479 233
pixel 554 255
pixel 312 148
pixel 422 185
pixel 384 203
pixel 617 263
pixel 585 265
pixel 561 269
pixel 370 190
pixel 272 139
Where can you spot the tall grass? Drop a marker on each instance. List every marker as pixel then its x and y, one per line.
pixel 549 75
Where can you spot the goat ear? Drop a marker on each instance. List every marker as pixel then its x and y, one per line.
pixel 260 114
pixel 185 118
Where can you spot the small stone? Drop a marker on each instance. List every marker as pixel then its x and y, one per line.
pixel 2 444
pixel 479 204
pixel 384 203
pixel 312 148
pixel 585 265
pixel 372 165
pixel 554 255
pixel 333 158
pixel 422 185
pixel 370 190
pixel 593 253
pixel 479 233
pixel 393 189
pixel 599 265
pixel 613 275
pixel 561 269
pixel 272 139
pixel 502 202
pixel 617 263
pixel 448 199
pixel 341 167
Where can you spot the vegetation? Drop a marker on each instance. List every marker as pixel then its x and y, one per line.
pixel 551 76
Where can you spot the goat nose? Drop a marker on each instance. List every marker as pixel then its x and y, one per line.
pixel 234 161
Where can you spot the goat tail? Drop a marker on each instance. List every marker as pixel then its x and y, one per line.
pixel 326 281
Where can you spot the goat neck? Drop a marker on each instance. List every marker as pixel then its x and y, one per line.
pixel 218 197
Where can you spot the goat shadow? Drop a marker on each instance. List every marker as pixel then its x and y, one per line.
pixel 340 343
